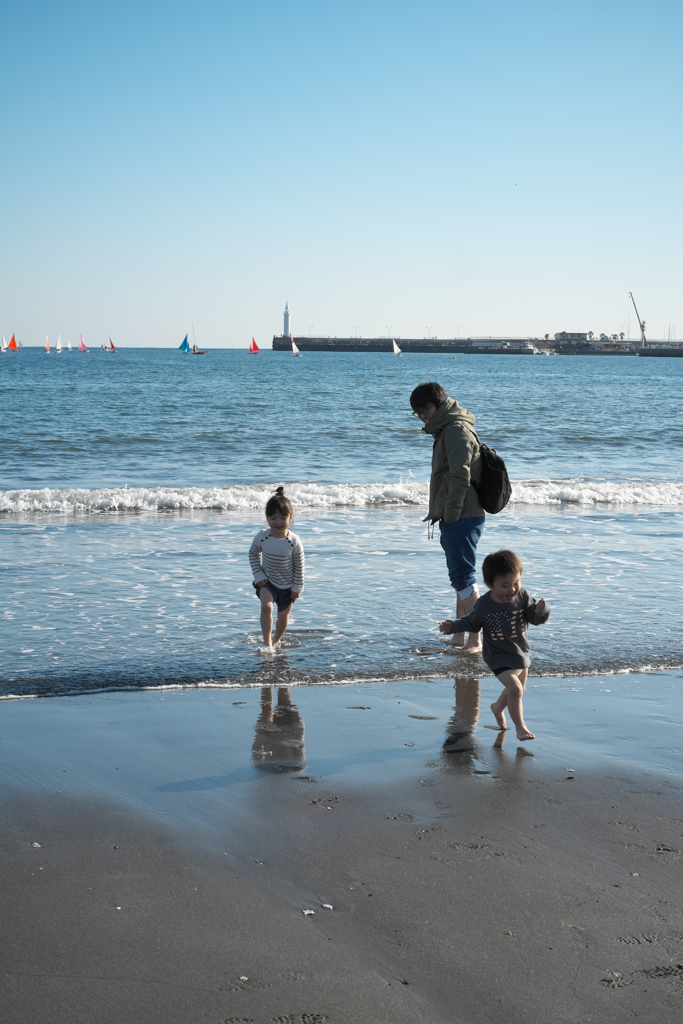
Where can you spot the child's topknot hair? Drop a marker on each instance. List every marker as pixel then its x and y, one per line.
pixel 280 504
pixel 499 563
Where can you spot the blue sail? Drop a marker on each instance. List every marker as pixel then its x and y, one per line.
pixel 184 347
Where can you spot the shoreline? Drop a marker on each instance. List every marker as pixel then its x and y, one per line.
pixel 497 882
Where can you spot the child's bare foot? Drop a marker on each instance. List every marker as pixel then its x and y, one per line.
pixel 524 734
pixel 500 717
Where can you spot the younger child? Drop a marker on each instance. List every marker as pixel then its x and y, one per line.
pixel 504 613
pixel 276 557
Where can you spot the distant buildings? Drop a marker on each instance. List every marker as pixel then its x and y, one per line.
pixel 563 337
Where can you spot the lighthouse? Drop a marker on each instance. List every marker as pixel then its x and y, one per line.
pixel 286 330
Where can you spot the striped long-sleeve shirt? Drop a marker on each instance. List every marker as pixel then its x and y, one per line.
pixel 280 560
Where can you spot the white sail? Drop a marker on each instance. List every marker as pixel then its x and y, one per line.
pixel 295 348
pixel 3 345
pixel 397 351
pixel 68 346
pixel 58 346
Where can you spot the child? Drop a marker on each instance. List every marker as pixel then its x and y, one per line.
pixel 276 557
pixel 504 613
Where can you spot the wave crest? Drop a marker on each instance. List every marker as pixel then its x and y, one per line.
pixel 245 497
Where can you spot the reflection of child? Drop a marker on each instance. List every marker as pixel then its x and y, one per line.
pixel 504 613
pixel 276 557
pixel 279 741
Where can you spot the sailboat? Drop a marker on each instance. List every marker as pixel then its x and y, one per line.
pixel 295 348
pixel 68 347
pixel 3 344
pixel 47 344
pixel 195 350
pixel 81 347
pixel 58 346
pixel 113 346
pixel 397 351
pixel 184 345
pixel 253 348
pixel 12 347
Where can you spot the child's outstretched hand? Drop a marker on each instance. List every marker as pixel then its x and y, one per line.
pixel 446 626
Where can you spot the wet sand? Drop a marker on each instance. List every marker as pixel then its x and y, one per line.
pixel 183 834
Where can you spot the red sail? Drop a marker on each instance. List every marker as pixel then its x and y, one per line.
pixel 254 347
pixel 13 344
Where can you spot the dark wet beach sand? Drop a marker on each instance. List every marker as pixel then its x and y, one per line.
pixel 484 882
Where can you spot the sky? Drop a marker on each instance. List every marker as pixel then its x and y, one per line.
pixel 404 169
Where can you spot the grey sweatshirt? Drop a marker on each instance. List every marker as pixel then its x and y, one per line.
pixel 505 640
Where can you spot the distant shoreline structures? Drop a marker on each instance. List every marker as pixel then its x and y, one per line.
pixel 563 343
pixel 482 346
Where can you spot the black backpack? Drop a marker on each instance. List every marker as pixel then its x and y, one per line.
pixel 494 489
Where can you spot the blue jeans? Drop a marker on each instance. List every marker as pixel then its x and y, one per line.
pixel 459 541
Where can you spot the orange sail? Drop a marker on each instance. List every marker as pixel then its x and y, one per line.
pixel 12 345
pixel 253 348
pixel 47 344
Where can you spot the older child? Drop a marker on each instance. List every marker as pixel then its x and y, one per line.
pixel 504 613
pixel 276 557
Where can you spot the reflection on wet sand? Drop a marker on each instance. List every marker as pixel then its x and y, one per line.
pixel 279 741
pixel 459 739
pixel 460 751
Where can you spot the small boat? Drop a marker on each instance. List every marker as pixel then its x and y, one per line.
pixel 81 347
pixel 47 344
pixel 195 350
pixel 184 345
pixel 3 344
pixel 12 347
pixel 68 347
pixel 58 346
pixel 397 351
pixel 253 348
pixel 295 348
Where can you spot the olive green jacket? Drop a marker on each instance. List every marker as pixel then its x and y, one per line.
pixel 456 464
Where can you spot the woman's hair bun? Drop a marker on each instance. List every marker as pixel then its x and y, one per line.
pixel 280 491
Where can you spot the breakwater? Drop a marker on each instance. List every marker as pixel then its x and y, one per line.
pixel 469 346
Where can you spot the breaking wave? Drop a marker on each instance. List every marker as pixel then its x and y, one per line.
pixel 408 492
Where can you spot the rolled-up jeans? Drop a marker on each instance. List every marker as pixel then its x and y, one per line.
pixel 459 541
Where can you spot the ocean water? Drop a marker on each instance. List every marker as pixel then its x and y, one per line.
pixel 132 485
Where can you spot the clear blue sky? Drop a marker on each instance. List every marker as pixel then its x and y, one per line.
pixel 489 167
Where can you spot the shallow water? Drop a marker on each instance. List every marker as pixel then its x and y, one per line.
pixel 133 485
pixel 156 599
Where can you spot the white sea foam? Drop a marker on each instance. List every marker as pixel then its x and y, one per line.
pixel 409 492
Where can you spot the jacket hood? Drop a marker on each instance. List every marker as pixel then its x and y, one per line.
pixel 448 413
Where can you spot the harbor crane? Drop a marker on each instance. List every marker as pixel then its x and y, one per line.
pixel 641 324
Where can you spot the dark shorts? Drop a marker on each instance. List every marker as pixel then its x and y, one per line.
pixel 282 598
pixel 507 668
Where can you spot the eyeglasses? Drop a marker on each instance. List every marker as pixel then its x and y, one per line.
pixel 421 412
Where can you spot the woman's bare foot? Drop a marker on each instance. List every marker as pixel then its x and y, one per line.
pixel 524 734
pixel 473 647
pixel 500 717
pixel 456 639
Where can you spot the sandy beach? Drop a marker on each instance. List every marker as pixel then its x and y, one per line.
pixel 184 834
